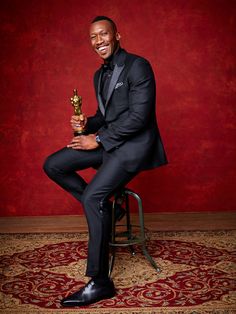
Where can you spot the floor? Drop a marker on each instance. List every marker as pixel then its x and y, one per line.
pixel 153 221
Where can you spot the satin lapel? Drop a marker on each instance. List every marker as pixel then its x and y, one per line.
pixel 100 102
pixel 116 73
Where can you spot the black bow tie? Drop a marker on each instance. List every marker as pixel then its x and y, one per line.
pixel 108 67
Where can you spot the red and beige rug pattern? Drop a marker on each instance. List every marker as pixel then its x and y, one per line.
pixel 198 274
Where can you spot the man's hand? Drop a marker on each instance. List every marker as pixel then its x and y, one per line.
pixel 78 122
pixel 84 142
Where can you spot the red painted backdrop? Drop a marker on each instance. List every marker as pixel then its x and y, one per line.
pixel 45 54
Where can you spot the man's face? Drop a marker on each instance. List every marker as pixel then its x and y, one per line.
pixel 104 40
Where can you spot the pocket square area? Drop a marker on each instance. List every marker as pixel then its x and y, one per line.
pixel 119 85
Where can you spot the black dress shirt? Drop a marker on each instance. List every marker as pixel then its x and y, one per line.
pixel 106 78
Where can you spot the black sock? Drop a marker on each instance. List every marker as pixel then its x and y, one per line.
pixel 101 280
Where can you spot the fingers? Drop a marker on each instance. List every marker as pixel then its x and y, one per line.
pixel 83 142
pixel 75 119
pixel 81 117
pixel 75 143
pixel 78 121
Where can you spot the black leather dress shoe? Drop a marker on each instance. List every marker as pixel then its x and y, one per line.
pixel 89 294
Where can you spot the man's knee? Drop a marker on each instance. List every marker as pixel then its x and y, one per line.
pixel 91 201
pixel 95 204
pixel 87 199
pixel 49 166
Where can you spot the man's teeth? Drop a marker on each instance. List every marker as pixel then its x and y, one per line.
pixel 102 48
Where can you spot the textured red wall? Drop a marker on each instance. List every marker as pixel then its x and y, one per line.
pixel 45 53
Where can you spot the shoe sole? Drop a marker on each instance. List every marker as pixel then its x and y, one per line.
pixel 88 303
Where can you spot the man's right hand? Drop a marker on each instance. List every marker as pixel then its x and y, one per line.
pixel 78 122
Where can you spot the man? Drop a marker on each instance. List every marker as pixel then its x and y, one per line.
pixel 122 139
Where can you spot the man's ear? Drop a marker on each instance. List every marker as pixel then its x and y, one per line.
pixel 118 37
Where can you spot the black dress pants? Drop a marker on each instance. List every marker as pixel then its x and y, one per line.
pixel 61 167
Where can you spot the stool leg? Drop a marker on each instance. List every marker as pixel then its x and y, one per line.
pixel 111 262
pixel 113 235
pixel 128 223
pixel 142 231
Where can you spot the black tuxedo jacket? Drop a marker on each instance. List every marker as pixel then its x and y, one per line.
pixel 126 123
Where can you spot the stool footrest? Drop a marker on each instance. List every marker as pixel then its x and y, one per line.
pixel 131 238
pixel 128 242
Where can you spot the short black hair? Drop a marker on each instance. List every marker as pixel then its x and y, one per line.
pixel 102 18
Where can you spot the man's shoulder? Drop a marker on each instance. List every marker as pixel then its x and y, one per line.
pixel 137 64
pixel 130 57
pixel 134 56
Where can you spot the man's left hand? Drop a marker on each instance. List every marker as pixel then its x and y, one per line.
pixel 84 142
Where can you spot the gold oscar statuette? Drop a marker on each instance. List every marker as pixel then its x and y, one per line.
pixel 76 102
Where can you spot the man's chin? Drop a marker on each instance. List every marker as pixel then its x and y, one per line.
pixel 104 56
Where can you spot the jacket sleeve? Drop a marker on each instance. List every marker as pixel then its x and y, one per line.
pixel 95 122
pixel 140 104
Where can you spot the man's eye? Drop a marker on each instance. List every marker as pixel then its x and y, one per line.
pixel 104 33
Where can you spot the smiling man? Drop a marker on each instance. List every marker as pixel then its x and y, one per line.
pixel 122 139
pixel 104 38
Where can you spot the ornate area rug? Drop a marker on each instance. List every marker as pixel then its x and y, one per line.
pixel 198 274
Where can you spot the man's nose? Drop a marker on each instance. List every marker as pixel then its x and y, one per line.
pixel 99 40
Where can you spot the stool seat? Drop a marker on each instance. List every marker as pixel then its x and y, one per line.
pixel 127 237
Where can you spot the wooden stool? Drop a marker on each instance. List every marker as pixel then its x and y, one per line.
pixel 127 238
